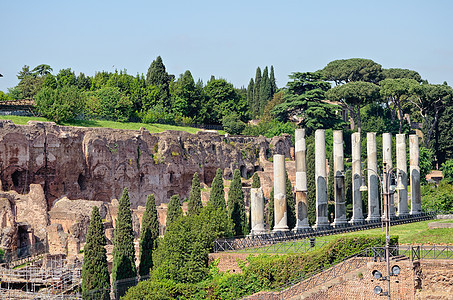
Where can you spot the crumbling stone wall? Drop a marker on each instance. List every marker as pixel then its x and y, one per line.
pixel 97 163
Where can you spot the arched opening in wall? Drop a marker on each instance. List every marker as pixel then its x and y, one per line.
pixel 258 169
pixel 81 180
pixel 171 177
pixel 23 241
pixel 169 194
pixel 18 178
pixel 243 171
pixel 208 175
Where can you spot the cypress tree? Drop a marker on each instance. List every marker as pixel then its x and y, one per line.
pixel 236 206
pixel 217 195
pixel 256 183
pixel 270 210
pixel 290 203
pixel 157 75
pixel 195 205
pixel 272 81
pixel 123 243
pixel 148 236
pixel 265 91
pixel 250 98
pixel 256 94
pixel 174 210
pixel 95 274
pixel 311 185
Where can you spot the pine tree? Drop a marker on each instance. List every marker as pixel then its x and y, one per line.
pixel 217 195
pixel 236 206
pixel 174 210
pixel 256 94
pixel 290 203
pixel 148 236
pixel 265 91
pixel 250 88
pixel 157 75
pixel 256 183
pixel 123 243
pixel 195 205
pixel 95 274
pixel 270 210
pixel 272 81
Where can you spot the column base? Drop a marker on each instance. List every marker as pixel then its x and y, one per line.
pixel 404 214
pixel 373 219
pixel 322 226
pixel 280 228
pixel 338 223
pixel 356 221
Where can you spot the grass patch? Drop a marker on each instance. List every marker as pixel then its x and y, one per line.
pixel 153 128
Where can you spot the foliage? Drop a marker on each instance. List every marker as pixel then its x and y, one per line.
pixel 109 102
pixel 236 205
pixel 217 194
pixel 123 244
pixel 232 124
pixel 311 184
pixel 95 274
pixel 195 205
pixel 61 104
pixel 438 198
pixel 148 236
pixel 158 76
pixel 290 203
pixel 182 255
pixel 447 170
pixel 444 136
pixel 353 69
pixel 174 210
pixel 270 210
pixel 395 73
pixel 425 162
pixel 256 183
pixel 4 97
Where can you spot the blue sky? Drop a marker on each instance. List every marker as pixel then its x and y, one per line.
pixel 227 39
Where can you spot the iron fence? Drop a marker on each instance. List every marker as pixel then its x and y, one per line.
pixel 351 263
pixel 254 243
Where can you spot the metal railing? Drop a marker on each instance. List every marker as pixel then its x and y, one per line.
pixel 264 240
pixel 351 263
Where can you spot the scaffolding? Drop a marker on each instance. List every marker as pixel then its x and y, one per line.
pixel 49 277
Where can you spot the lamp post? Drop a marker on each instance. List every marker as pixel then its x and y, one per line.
pixel 386 191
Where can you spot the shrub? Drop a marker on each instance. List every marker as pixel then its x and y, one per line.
pixel 447 170
pixel 60 105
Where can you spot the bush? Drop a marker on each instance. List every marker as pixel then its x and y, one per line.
pixel 438 198
pixel 60 105
pixel 232 124
pixel 110 103
pixel 447 170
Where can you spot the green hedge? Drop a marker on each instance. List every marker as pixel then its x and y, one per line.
pixel 263 272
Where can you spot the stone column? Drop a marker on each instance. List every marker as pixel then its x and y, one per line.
pixel 387 160
pixel 257 211
pixel 301 182
pixel 357 212
pixel 416 203
pixel 280 212
pixel 338 171
pixel 322 220
pixel 401 164
pixel 373 180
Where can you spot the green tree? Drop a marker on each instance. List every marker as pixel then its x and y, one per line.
pixel 109 102
pixel 272 81
pixel 148 236
pixel 42 70
pixel 395 73
pixel 353 96
pixel 95 274
pixel 123 243
pixel 445 135
pixel 447 170
pixel 174 210
pixel 236 205
pixel 290 204
pixel 250 95
pixel 256 183
pixel 430 100
pixel 270 210
pixel 195 205
pixel 265 91
pixel 217 194
pixel 66 77
pixel 353 69
pixel 61 104
pixel 157 75
pixel 25 72
pixel 232 123
pixel 311 184
pixel 255 109
pixel 396 92
pixel 425 162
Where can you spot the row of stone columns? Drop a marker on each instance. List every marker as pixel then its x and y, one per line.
pixel 280 204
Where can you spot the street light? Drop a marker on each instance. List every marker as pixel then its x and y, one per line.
pixel 386 190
